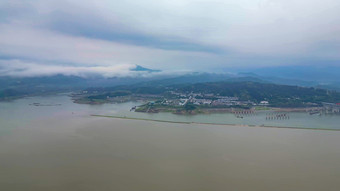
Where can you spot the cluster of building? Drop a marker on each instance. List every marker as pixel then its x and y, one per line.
pixel 223 102
pixel 331 107
pixel 175 102
pixel 207 99
pixel 191 94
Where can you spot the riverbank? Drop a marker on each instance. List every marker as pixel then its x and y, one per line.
pixel 152 105
pixel 211 110
pixel 217 124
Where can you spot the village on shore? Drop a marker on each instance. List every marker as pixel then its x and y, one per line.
pixel 194 103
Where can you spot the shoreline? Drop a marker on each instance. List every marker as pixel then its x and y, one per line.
pixel 216 124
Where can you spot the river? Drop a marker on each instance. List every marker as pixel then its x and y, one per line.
pixel 62 147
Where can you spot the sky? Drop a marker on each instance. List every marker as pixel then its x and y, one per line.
pixel 110 37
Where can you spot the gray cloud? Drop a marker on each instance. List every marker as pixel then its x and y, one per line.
pixel 18 68
pixel 170 35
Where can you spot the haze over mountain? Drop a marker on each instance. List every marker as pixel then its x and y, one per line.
pixel 70 45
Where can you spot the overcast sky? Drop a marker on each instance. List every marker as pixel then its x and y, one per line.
pixel 109 37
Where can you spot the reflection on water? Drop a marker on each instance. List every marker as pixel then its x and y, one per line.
pixel 61 147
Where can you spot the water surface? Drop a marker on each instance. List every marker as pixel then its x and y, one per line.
pixel 64 148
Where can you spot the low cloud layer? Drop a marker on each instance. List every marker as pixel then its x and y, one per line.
pixel 17 68
pixel 77 37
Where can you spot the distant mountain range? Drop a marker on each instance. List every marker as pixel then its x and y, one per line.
pixel 61 83
pixel 318 76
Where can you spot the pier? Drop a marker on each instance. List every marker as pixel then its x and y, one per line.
pixel 277 116
pixel 243 113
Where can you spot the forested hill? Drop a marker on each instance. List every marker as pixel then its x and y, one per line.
pixel 276 94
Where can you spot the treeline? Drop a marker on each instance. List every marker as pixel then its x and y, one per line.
pixel 10 93
pixel 278 95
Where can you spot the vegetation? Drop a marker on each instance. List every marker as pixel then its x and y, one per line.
pixel 189 107
pixel 277 95
pixel 10 93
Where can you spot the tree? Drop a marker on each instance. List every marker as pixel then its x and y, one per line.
pixel 189 107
